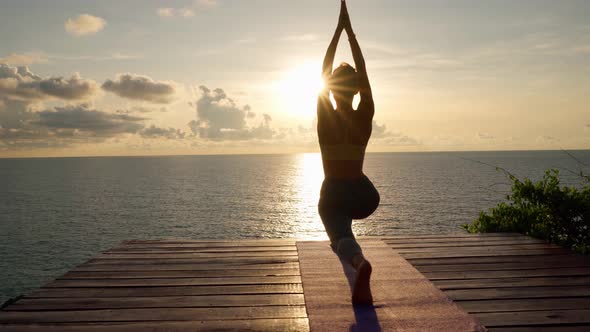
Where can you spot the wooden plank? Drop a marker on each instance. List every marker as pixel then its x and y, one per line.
pixel 73 283
pixel 555 272
pixel 143 249
pixel 477 244
pixel 166 291
pixel 495 259
pixel 229 260
pixel 235 243
pixel 205 246
pixel 512 282
pixel 466 240
pixel 36 304
pixel 559 328
pixel 250 325
pixel 484 251
pixel 538 264
pixel 527 318
pixel 451 235
pixel 148 314
pixel 525 304
pixel 477 248
pixel 213 268
pixel 459 254
pixel 519 293
pixel 126 274
pixel 182 255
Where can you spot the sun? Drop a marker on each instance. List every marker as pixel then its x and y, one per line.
pixel 298 89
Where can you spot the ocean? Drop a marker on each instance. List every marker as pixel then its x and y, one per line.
pixel 56 213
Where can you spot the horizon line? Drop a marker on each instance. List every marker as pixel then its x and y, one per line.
pixel 281 154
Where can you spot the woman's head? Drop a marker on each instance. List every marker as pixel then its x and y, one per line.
pixel 344 82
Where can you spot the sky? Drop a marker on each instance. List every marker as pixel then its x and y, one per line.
pixel 144 77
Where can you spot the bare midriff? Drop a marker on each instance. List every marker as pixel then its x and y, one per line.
pixel 343 169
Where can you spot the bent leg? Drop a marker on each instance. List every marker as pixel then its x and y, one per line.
pixel 365 199
pixel 338 226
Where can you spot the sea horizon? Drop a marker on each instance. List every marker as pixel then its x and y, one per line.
pixel 288 153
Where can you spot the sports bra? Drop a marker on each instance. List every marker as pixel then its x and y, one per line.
pixel 343 152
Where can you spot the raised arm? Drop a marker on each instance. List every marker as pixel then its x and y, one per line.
pixel 331 52
pixel 359 61
pixel 324 98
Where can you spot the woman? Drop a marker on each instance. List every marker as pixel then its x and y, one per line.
pixel 343 134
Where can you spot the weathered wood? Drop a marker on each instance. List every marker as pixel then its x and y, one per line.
pixel 244 325
pixel 508 281
pixel 126 274
pixel 497 305
pixel 167 291
pixel 453 235
pixel 504 248
pixel 187 267
pixel 532 318
pixel 151 249
pixel 535 264
pixel 235 243
pixel 538 328
pixel 74 283
pixel 181 255
pixel 32 304
pixel 466 240
pixel 228 260
pixel 512 282
pixel 178 314
pixel 545 272
pixel 548 258
pixel 460 244
pixel 519 293
pixel 483 253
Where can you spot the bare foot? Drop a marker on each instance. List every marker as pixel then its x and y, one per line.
pixel 361 294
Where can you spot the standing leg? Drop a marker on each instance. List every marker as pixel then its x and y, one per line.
pixel 334 209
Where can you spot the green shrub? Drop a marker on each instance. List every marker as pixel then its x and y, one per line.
pixel 545 210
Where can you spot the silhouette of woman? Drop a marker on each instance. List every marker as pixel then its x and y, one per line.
pixel 343 134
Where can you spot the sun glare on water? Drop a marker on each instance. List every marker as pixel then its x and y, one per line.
pixel 298 89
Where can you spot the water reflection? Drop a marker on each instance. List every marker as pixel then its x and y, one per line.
pixel 308 181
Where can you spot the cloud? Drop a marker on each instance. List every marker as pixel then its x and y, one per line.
pixel 547 139
pixel 165 12
pixel 205 3
pixel 22 84
pixel 62 126
pixel 24 59
pixel 95 57
pixel 380 136
pixel 379 131
pixel 157 132
pixel 14 114
pixel 400 140
pixel 220 118
pixel 84 24
pixel 89 121
pixel 143 109
pixel 186 12
pixel 485 136
pixel 173 12
pixel 141 88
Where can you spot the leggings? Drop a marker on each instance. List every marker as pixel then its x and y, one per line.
pixel 341 201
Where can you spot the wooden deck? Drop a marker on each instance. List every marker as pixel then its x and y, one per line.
pixel 508 282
